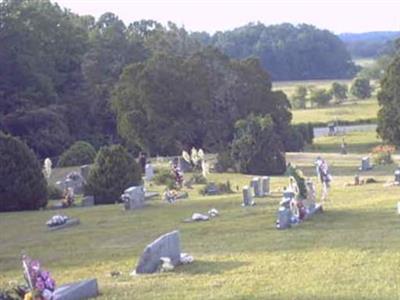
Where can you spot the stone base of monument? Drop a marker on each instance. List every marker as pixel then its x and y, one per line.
pixel 69 223
pixel 150 195
pixel 77 291
pixel 317 209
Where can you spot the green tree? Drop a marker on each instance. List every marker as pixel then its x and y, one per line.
pixel 320 97
pixel 44 130
pixel 114 171
pixel 339 91
pixel 361 88
pixel 286 51
pixel 389 101
pixel 299 97
pixel 257 148
pixel 80 153
pixel 22 184
pixel 192 100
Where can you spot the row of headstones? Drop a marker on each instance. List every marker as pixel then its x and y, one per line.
pixel 259 187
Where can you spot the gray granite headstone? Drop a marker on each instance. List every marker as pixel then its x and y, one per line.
pixel 212 189
pixel 75 181
pixel 397 176
pixel 365 164
pixel 77 291
pixel 183 165
pixel 167 245
pixel 247 196
pixel 88 201
pixel 265 185
pixel 85 169
pixel 133 197
pixel 284 217
pixel 256 187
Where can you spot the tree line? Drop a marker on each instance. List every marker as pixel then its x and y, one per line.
pixel 156 88
pixel 286 51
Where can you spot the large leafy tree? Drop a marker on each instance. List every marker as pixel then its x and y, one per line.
pixel 171 101
pixel 257 148
pixel 41 47
pixel 22 184
pixel 389 101
pixel 361 88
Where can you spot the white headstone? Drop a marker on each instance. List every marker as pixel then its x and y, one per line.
pixel 149 172
pixel 133 197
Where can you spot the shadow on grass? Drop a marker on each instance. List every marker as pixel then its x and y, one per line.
pixel 209 267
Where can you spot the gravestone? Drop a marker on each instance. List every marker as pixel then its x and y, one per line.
pixel 77 291
pixel 265 185
pixel 73 180
pixel 149 172
pixel 365 164
pixel 133 197
pixel 247 196
pixel 284 218
pixel 397 176
pixel 85 169
pixel 88 201
pixel 183 165
pixel 288 194
pixel 211 189
pixel 167 245
pixel 256 187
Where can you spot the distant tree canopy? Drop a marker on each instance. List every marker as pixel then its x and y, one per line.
pixel 67 78
pixel 287 52
pixel 389 101
pixel 361 88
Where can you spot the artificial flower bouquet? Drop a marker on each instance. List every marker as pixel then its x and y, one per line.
pixel 57 220
pixel 41 284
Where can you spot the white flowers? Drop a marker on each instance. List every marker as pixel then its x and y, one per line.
pixel 197 158
pixel 47 168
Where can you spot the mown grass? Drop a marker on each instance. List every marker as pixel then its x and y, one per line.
pixel 350 111
pixel 351 251
pixel 357 142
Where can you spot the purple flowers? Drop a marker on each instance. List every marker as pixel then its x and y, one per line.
pixel 38 279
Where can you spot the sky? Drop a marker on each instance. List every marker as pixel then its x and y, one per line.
pixel 337 16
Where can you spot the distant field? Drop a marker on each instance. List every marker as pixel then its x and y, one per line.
pixel 364 62
pixel 288 87
pixel 357 142
pixel 351 111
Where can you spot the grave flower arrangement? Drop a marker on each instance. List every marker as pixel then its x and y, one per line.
pixel 382 154
pixel 57 220
pixel 41 284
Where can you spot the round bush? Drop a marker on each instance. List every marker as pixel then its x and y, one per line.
pixel 80 153
pixel 114 170
pixel 22 184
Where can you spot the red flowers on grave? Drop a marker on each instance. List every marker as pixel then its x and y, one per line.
pixel 382 154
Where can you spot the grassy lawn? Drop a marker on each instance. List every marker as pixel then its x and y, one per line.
pixel 350 111
pixel 351 251
pixel 357 142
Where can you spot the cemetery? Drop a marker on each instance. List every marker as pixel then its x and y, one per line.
pixel 143 159
pixel 241 239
